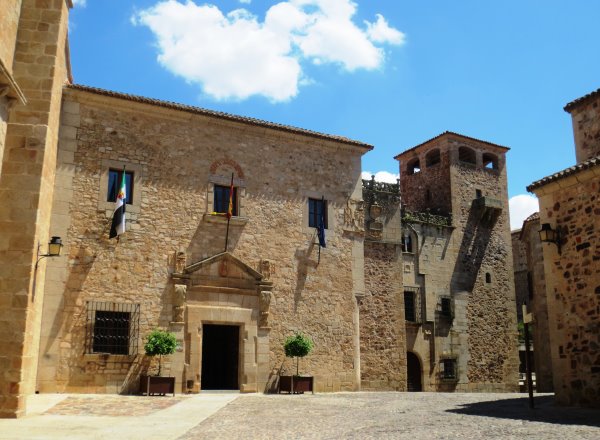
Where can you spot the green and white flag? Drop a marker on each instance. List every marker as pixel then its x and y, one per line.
pixel 118 221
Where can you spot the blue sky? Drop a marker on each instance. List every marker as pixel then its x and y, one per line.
pixel 391 73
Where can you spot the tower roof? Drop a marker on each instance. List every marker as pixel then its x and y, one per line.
pixel 447 134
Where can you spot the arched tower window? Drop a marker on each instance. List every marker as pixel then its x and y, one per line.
pixel 490 161
pixel 414 166
pixel 488 277
pixel 432 158
pixel 467 155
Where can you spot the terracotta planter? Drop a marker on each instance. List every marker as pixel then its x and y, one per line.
pixel 157 385
pixel 296 384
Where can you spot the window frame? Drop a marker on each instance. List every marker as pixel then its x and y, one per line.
pixel 313 212
pixel 135 207
pixel 223 191
pixel 97 334
pixel 445 373
pixel 129 189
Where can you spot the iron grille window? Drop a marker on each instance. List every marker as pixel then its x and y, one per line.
pixel 412 305
pixel 316 208
pixel 449 369
pixel 114 185
pixel 112 328
pixel 221 199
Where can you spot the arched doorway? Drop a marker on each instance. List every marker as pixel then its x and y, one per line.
pixel 413 372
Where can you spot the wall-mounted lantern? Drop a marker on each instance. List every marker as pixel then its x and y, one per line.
pixel 549 235
pixel 54 248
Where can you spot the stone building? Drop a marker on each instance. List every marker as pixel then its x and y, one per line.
pixel 531 283
pixel 417 297
pixel 444 257
pixel 569 207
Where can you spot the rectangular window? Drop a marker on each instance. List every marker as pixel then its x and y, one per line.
pixel 446 307
pixel 112 328
pixel 316 208
pixel 221 199
pixel 449 369
pixel 114 185
pixel 410 314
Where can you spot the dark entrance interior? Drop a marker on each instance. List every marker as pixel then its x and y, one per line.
pixel 413 373
pixel 220 356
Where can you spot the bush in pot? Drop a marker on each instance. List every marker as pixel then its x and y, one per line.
pixel 160 343
pixel 298 346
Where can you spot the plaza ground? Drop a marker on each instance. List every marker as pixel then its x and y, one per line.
pixel 320 416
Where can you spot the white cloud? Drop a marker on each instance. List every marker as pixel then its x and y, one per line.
pixel 381 32
pixel 520 207
pixel 79 2
pixel 235 55
pixel 247 2
pixel 381 176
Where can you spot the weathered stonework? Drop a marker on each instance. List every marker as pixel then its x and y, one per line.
pixel 34 66
pixel 569 204
pixel 175 152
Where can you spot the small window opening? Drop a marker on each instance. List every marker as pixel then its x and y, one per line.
pixel 432 158
pixel 428 195
pixel 114 185
pixel 410 311
pixel 407 245
pixel 478 193
pixel 221 200
pixel 467 155
pixel 446 307
pixel 449 369
pixel 316 209
pixel 488 277
pixel 414 167
pixel 112 328
pixel 490 161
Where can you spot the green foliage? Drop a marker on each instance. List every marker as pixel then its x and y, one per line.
pixel 159 343
pixel 298 345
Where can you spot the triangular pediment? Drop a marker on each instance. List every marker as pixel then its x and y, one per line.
pixel 223 265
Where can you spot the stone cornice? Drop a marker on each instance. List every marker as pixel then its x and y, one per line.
pixel 568 177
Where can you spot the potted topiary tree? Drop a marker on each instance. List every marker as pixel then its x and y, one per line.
pixel 297 346
pixel 159 343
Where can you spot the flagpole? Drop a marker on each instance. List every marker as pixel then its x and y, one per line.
pixel 229 212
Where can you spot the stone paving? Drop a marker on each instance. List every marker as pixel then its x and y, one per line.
pixel 397 416
pixel 113 405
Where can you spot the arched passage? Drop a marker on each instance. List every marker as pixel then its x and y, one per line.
pixel 413 372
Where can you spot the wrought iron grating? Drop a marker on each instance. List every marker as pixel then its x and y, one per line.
pixel 112 328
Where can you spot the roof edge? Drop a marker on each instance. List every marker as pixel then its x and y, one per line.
pixel 451 133
pixel 221 115
pixel 590 163
pixel 577 102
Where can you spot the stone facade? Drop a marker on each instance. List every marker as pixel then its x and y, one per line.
pixel 457 287
pixel 33 70
pixel 178 157
pixel 569 204
pixel 535 286
pixel 585 114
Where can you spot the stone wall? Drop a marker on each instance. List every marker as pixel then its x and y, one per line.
pixel 178 156
pixel 9 23
pixel 521 272
pixel 484 269
pixel 586 126
pixel 26 191
pixel 382 334
pixel 538 306
pixel 573 285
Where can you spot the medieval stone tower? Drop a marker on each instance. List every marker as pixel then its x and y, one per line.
pixel 449 252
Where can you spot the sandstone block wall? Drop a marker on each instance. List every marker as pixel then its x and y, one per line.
pixel 382 328
pixel 538 306
pixel 521 272
pixel 26 190
pixel 586 126
pixel 178 157
pixel 573 285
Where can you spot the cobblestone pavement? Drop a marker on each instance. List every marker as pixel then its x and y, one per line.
pixel 397 416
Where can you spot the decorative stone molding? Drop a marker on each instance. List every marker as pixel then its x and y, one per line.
pixel 179 297
pixel 354 217
pixel 264 306
pixel 266 269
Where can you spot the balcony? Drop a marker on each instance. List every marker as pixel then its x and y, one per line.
pixel 489 209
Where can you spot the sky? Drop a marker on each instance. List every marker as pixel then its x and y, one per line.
pixel 391 73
